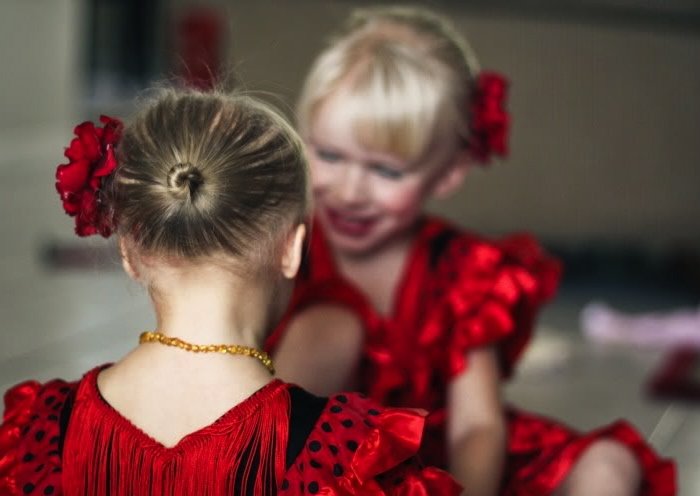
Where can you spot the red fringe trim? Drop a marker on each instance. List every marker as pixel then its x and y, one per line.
pixel 107 454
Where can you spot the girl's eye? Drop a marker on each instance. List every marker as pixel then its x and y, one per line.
pixel 386 171
pixel 328 156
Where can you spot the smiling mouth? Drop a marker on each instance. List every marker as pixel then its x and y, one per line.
pixel 349 225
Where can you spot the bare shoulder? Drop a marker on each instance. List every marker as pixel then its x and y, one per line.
pixel 323 325
pixel 320 349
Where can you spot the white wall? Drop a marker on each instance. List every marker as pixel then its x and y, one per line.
pixel 40 75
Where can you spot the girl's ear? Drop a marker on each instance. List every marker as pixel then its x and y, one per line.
pixel 127 263
pixel 291 256
pixel 452 177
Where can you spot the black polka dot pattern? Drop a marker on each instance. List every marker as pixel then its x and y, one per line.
pixel 347 420
pixel 38 471
pixel 323 463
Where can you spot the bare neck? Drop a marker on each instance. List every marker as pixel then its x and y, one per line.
pixel 211 306
pixel 378 273
pixel 168 392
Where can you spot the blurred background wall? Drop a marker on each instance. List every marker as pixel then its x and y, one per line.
pixel 604 96
pixel 42 74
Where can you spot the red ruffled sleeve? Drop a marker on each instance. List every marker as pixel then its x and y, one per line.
pixel 19 401
pixel 29 436
pixel 359 448
pixel 496 293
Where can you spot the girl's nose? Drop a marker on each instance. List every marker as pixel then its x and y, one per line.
pixel 352 188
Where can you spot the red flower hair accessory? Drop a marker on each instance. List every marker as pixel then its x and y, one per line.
pixel 79 182
pixel 490 121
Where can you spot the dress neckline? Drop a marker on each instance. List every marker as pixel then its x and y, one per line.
pixel 89 390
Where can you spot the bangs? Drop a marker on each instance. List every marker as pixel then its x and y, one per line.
pixel 390 90
pixel 394 102
pixel 394 108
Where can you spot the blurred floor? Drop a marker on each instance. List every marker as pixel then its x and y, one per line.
pixel 62 322
pixel 587 385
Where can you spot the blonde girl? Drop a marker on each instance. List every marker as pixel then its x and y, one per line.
pixel 409 309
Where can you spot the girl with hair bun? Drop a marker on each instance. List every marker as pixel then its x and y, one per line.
pixel 409 309
pixel 208 195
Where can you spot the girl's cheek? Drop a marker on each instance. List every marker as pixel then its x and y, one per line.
pixel 322 184
pixel 323 171
pixel 318 177
pixel 402 199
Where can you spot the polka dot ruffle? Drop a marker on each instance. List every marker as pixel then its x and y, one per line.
pixel 38 470
pixel 354 450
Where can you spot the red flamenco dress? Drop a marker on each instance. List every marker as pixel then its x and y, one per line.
pixel 64 438
pixel 459 292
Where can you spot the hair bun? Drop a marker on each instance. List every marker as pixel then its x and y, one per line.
pixel 184 180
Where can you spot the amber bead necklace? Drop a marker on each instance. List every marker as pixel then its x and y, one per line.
pixel 231 349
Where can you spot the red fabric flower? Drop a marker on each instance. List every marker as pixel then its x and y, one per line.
pixel 490 121
pixel 79 182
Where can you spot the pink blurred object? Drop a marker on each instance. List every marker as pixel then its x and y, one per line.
pixel 680 328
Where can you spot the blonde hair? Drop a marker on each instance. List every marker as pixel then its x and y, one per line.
pixel 202 173
pixel 405 76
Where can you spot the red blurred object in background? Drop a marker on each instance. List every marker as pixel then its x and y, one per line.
pixel 200 37
pixel 678 377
